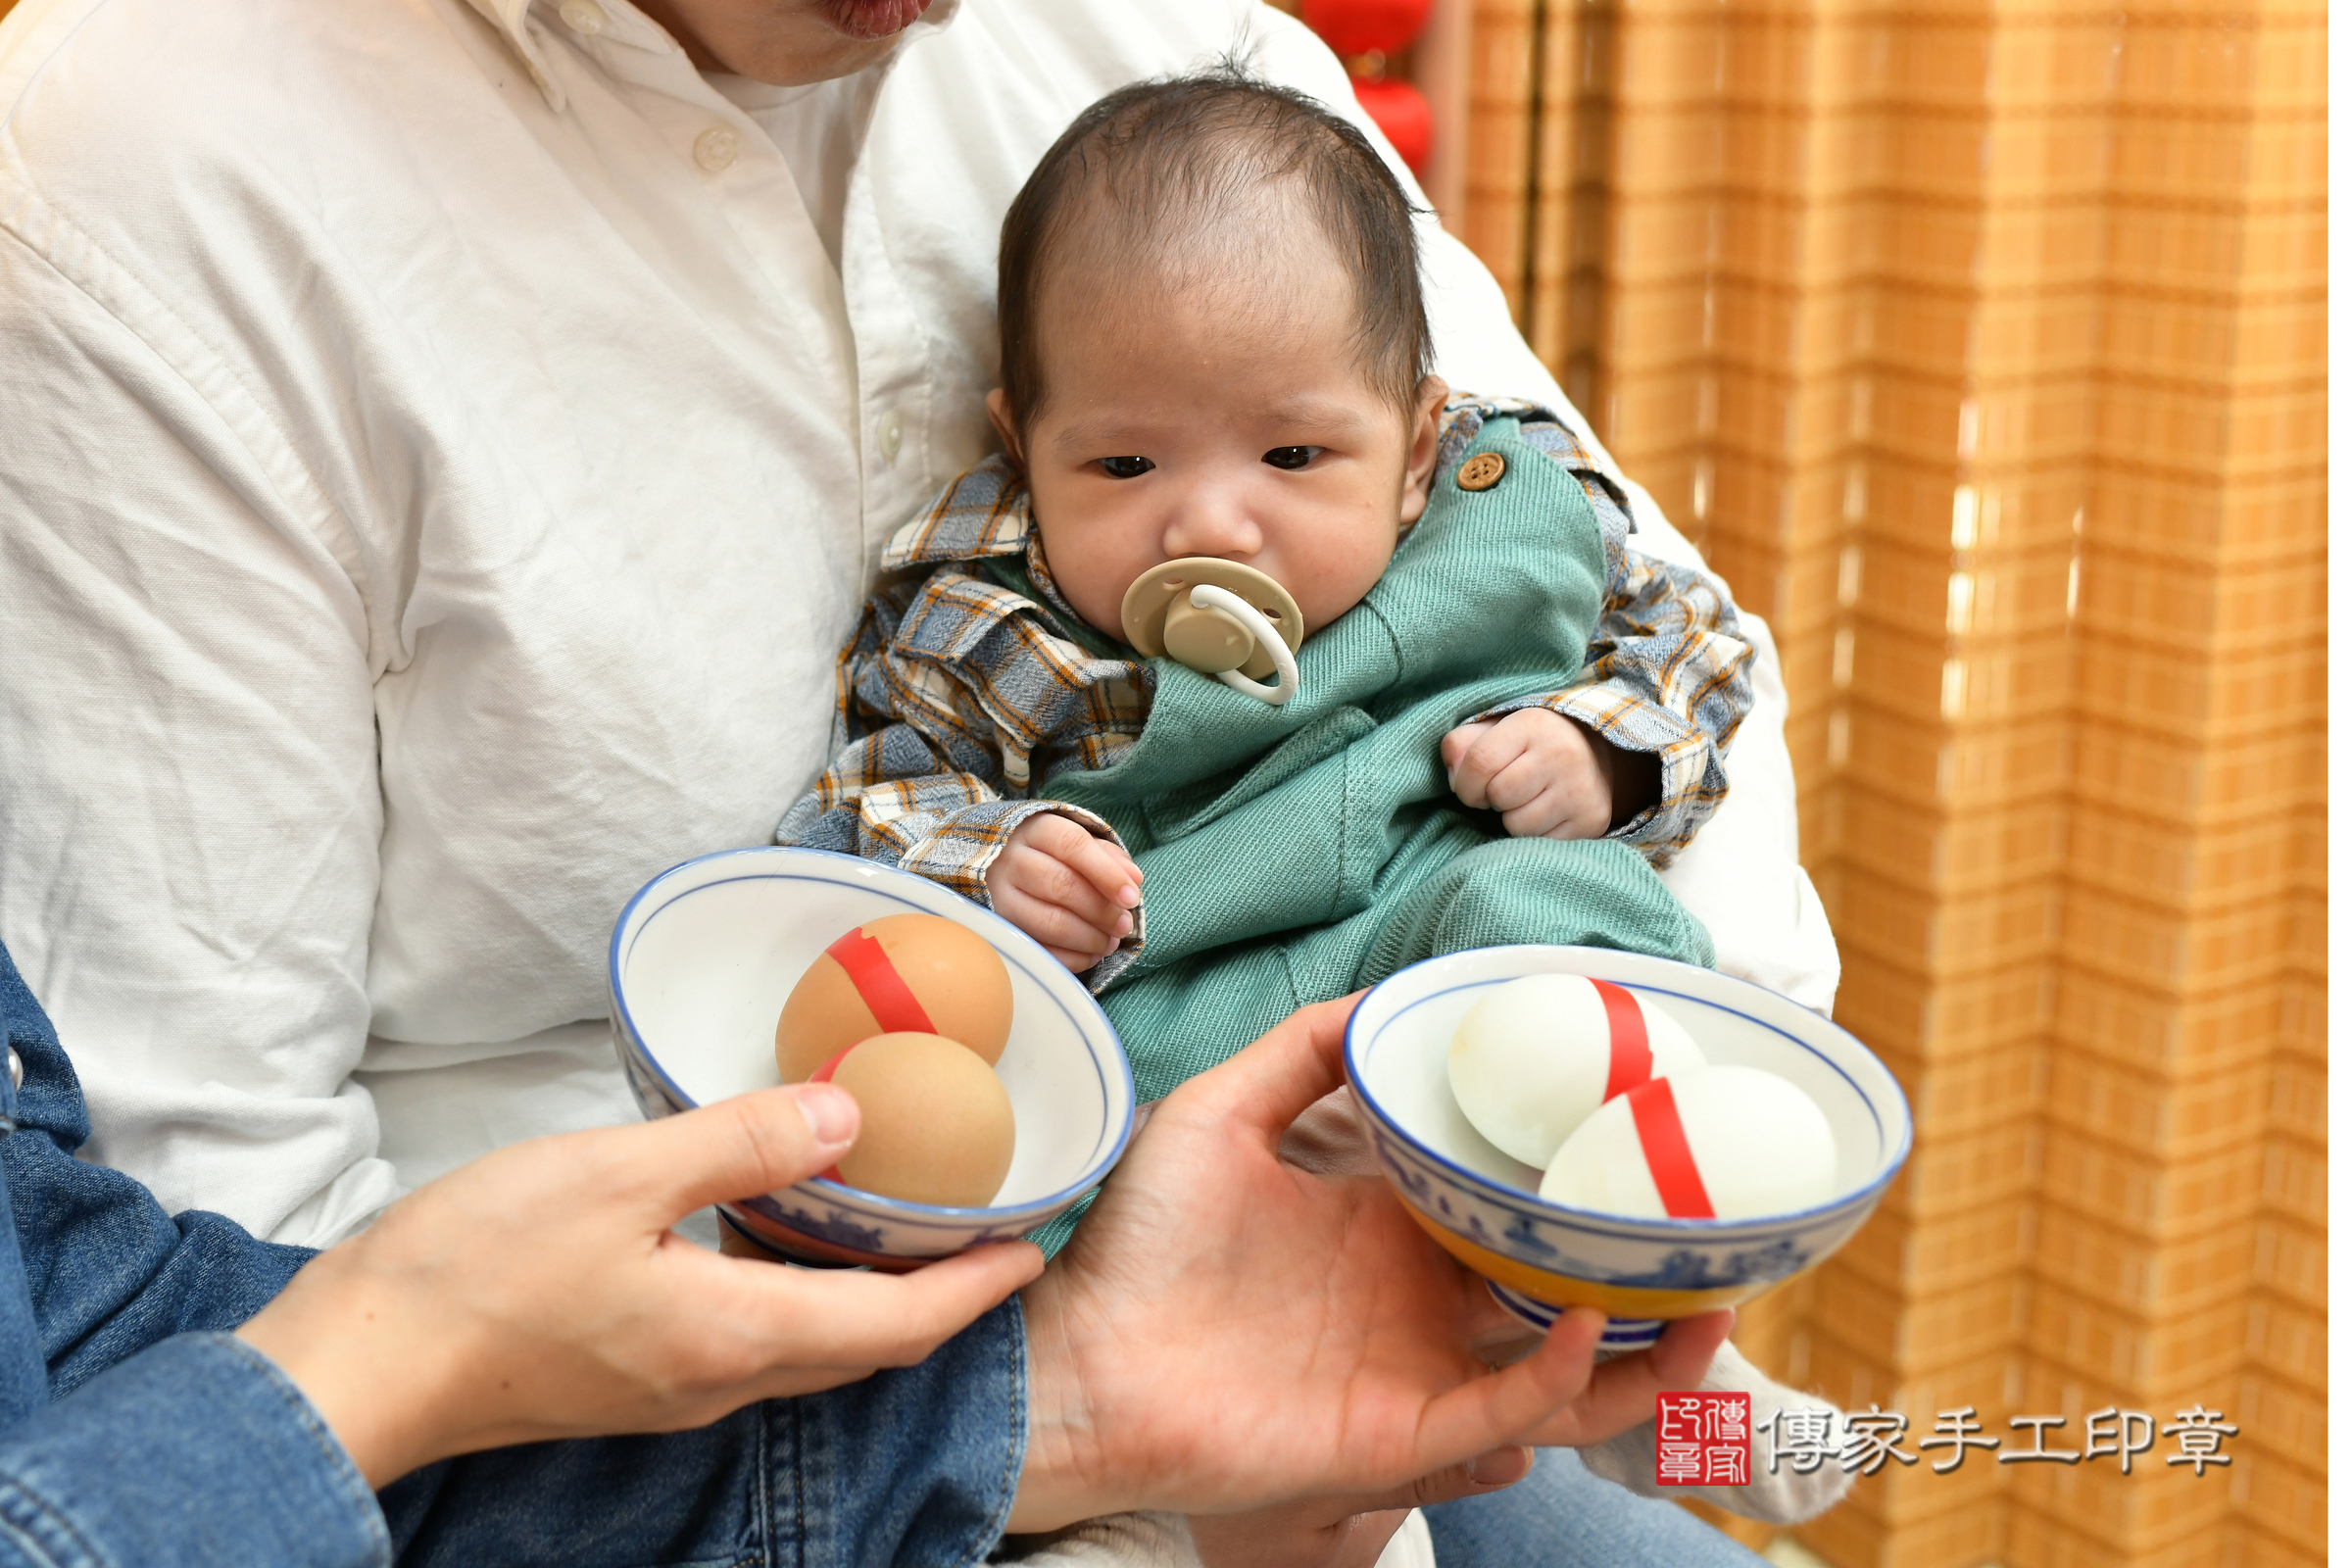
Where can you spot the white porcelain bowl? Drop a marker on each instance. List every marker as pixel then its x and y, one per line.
pixel 1539 1256
pixel 702 961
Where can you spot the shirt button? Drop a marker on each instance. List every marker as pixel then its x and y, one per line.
pixel 714 148
pixel 888 434
pixel 582 16
pixel 16 1069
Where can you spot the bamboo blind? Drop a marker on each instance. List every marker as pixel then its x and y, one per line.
pixel 1980 347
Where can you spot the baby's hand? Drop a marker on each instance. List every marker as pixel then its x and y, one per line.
pixel 1549 776
pixel 1068 888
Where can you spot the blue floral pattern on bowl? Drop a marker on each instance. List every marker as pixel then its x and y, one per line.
pixel 1483 1206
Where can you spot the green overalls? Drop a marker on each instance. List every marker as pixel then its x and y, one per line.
pixel 1292 854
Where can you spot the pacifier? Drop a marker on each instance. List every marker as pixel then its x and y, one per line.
pixel 1222 618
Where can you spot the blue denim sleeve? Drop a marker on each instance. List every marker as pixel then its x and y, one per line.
pixel 194 1452
pixel 103 1272
pixel 124 1438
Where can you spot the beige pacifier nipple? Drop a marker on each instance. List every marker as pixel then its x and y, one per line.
pixel 1213 616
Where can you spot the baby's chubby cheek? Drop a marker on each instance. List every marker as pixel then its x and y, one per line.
pixel 1329 576
pixel 1094 560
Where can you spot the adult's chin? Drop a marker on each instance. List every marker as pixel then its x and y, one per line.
pixel 870 20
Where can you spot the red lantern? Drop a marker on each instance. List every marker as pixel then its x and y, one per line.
pixel 1362 27
pixel 1364 33
pixel 1402 114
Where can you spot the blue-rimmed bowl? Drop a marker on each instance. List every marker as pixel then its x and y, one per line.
pixel 702 961
pixel 1538 1256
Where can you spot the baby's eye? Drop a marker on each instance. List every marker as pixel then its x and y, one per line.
pixel 1292 456
pixel 1126 467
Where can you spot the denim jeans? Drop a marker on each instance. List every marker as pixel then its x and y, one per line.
pixel 136 1433
pixel 1565 1516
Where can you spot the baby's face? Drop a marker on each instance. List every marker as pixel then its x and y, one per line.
pixel 1219 418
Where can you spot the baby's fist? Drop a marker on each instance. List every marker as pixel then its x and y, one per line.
pixel 1068 888
pixel 1549 776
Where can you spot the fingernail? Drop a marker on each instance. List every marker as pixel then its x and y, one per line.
pixel 1130 895
pixel 832 1114
pixel 1125 925
pixel 1499 1468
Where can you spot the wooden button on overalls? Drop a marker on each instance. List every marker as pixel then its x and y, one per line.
pixel 1479 472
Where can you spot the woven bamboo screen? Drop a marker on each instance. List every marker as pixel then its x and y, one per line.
pixel 1981 346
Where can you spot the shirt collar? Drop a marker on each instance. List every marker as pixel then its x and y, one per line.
pixel 630 25
pixel 508 18
pixel 982 511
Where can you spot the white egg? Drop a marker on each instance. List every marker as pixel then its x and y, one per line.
pixel 1533 1057
pixel 1758 1145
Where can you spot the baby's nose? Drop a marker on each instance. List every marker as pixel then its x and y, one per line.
pixel 1212 525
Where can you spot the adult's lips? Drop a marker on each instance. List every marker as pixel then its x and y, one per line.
pixel 869 20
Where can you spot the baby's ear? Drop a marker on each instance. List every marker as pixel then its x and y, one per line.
pixel 999 415
pixel 1421 455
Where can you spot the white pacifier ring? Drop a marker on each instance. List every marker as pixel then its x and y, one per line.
pixel 1209 596
pixel 1220 618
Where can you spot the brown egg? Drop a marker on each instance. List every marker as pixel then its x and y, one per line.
pixel 918 973
pixel 936 1127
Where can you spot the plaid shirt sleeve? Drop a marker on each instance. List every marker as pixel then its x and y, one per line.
pixel 943 691
pixel 1667 671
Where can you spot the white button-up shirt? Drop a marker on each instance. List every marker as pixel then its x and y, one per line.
pixel 439 459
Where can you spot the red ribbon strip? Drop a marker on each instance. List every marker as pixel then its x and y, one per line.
pixel 1658 1123
pixel 886 996
pixel 824 1075
pixel 1629 1039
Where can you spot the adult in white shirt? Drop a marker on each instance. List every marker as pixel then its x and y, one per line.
pixel 442 444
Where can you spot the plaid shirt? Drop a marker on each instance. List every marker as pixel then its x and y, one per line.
pixel 970 681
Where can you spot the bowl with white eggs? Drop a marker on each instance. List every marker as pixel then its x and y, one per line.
pixel 706 955
pixel 1585 1127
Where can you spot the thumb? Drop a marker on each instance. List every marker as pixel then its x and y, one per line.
pixel 1265 1087
pixel 752 1143
pixel 1459 741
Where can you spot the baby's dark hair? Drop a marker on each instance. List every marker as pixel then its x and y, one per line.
pixel 1161 153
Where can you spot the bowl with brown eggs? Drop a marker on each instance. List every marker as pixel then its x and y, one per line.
pixel 1642 1260
pixel 703 962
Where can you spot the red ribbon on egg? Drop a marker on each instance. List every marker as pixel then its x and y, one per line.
pixel 1658 1123
pixel 1629 1039
pixel 880 985
pixel 824 1075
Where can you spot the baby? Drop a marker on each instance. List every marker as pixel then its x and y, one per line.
pixel 1213 345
